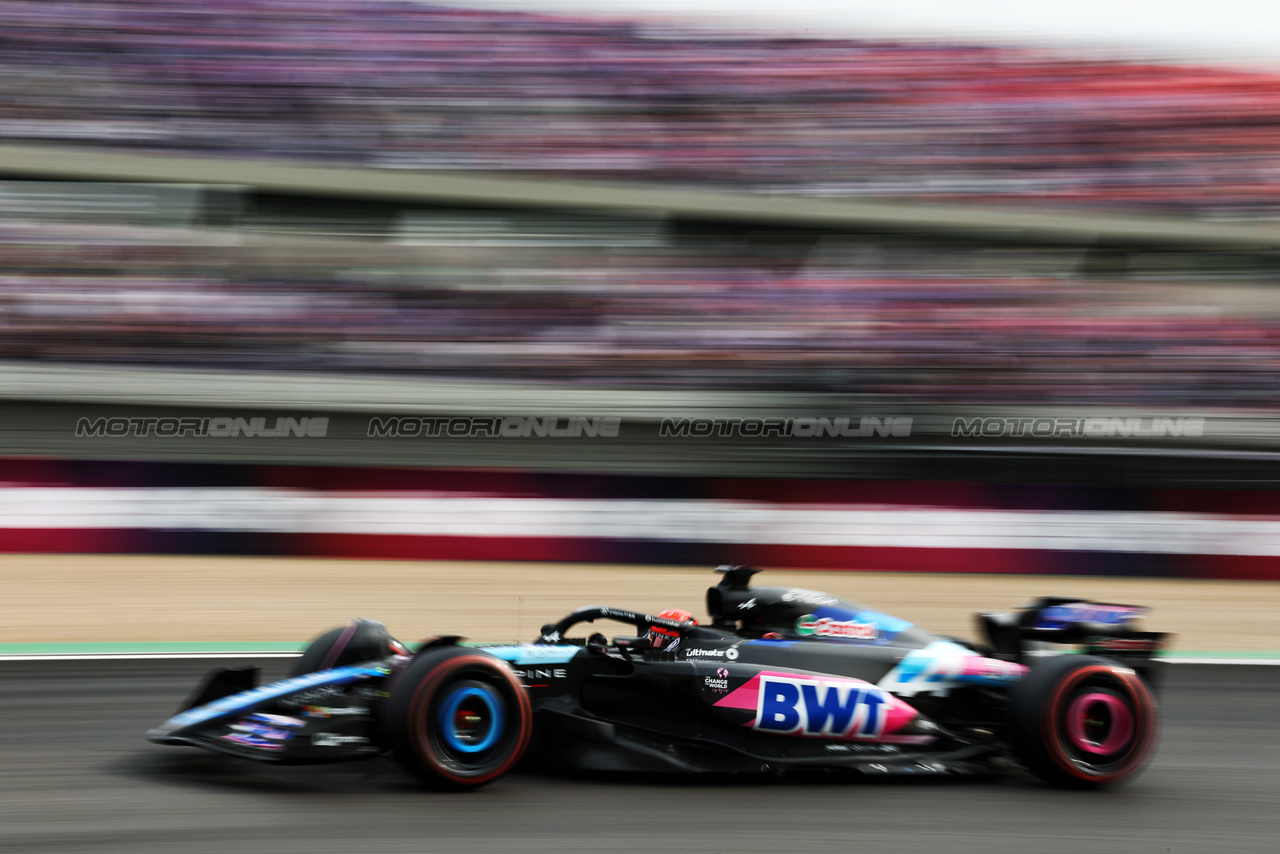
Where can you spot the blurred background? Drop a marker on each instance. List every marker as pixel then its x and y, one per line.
pixel 864 217
pixel 462 315
pixel 854 293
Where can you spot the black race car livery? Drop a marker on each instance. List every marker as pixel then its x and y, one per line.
pixel 783 678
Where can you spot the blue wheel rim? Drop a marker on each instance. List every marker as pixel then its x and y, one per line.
pixel 466 738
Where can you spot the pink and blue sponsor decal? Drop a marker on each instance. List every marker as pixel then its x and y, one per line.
pixel 250 740
pixel 277 720
pixel 943 665
pixel 254 734
pixel 821 707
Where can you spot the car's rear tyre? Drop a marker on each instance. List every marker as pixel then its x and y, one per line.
pixel 1081 721
pixel 359 640
pixel 458 718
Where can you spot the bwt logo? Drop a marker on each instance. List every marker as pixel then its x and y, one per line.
pixel 218 428
pixel 819 708
pixel 1094 428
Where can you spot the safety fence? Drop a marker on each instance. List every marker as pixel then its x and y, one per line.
pixel 112 507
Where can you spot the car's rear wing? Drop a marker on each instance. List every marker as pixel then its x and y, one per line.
pixel 1097 628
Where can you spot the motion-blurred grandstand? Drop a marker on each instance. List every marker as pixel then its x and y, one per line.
pixel 242 278
pixel 498 298
pixel 407 85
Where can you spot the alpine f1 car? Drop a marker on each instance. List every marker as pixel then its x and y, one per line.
pixel 783 678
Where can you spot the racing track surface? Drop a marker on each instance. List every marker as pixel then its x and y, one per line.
pixel 77 776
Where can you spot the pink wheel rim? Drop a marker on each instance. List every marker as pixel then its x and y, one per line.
pixel 1101 724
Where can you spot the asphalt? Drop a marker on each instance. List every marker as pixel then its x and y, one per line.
pixel 78 776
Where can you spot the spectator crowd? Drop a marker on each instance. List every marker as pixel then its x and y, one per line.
pixel 893 324
pixel 401 84
pixel 398 84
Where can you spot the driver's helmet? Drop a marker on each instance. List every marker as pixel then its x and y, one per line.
pixel 663 639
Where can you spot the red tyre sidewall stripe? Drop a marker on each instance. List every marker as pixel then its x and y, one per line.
pixel 417 713
pixel 1145 724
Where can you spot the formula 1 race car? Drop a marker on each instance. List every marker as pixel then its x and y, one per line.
pixel 783 678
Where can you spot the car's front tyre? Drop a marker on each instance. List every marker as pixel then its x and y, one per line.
pixel 458 718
